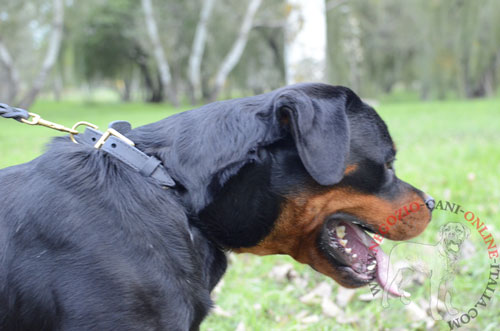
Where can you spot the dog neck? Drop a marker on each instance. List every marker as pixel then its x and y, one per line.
pixel 201 151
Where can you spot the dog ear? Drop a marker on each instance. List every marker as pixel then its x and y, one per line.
pixel 320 130
pixel 466 230
pixel 442 229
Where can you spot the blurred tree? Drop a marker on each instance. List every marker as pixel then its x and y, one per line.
pixel 11 80
pixel 305 41
pixel 260 67
pixel 54 43
pixel 435 49
pixel 236 51
pixel 199 41
pixel 104 43
pixel 16 40
pixel 50 57
pixel 161 60
pixel 438 48
pixel 107 45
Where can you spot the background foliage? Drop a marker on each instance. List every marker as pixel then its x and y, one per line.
pixel 432 49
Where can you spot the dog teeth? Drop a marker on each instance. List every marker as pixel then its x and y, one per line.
pixel 371 267
pixel 340 231
pixel 343 242
pixel 348 250
pixel 354 255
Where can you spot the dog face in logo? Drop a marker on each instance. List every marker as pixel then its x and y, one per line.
pixel 452 236
pixel 437 262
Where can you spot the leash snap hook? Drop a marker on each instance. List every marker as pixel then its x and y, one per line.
pixel 38 120
pixel 35 118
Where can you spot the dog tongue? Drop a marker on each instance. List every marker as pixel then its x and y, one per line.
pixel 386 274
pixel 360 241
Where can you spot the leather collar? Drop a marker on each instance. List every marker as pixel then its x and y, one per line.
pixel 115 143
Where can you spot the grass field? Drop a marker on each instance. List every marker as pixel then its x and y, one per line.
pixel 449 149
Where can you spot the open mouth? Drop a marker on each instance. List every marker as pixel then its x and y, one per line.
pixel 452 245
pixel 345 241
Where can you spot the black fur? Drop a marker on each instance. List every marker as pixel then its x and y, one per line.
pixel 86 243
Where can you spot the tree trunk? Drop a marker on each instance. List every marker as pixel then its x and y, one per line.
pixel 158 92
pixel 305 41
pixel 352 46
pixel 126 92
pixel 57 86
pixel 147 80
pixel 272 35
pixel 196 56
pixel 50 57
pixel 12 76
pixel 161 60
pixel 12 79
pixel 486 86
pixel 234 55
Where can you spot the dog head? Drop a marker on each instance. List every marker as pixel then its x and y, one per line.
pixel 304 171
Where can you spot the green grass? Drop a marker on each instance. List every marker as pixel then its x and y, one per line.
pixel 449 149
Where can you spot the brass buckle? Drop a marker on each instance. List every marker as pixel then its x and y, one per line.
pixel 77 124
pixel 112 132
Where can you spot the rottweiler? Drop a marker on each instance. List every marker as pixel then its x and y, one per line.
pixel 88 242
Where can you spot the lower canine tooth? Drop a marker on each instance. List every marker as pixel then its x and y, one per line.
pixel 348 250
pixel 340 231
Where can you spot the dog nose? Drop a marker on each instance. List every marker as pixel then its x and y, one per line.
pixel 429 202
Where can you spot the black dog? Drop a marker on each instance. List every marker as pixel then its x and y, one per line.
pixel 88 243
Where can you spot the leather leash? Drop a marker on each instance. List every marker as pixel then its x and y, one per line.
pixel 112 141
